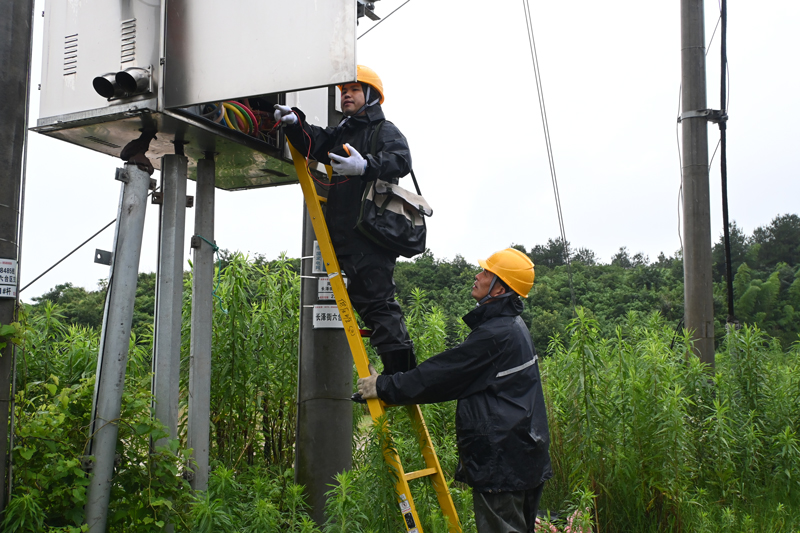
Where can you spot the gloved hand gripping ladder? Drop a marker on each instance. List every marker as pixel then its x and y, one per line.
pixel 376 407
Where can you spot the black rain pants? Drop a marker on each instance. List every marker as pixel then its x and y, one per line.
pixel 371 287
pixel 507 512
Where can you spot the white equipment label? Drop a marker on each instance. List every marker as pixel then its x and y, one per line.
pixel 327 316
pixel 325 290
pixel 319 264
pixel 8 278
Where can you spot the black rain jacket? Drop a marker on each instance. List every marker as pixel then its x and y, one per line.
pixel 390 162
pixel 501 421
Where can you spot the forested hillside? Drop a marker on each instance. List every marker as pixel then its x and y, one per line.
pixel 766 286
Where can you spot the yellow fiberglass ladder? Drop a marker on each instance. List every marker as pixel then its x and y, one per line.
pixel 376 407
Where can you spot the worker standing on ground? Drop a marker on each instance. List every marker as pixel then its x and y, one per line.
pixel 501 420
pixel 368 266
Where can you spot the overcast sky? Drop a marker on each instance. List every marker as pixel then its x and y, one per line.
pixel 459 83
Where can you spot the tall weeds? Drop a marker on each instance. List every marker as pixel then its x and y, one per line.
pixel 643 438
pixel 663 445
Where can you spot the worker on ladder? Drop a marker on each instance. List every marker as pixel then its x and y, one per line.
pixel 501 420
pixel 368 266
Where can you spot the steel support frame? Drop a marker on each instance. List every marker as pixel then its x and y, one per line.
pixel 114 342
pixel 169 294
pixel 202 318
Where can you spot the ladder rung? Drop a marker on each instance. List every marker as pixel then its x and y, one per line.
pixel 355 341
pixel 420 473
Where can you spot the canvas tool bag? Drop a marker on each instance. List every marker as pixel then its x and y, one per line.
pixel 394 217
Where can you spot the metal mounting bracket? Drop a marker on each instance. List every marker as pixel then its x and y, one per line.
pixel 102 257
pixel 712 115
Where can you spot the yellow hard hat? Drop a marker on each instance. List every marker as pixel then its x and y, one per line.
pixel 513 267
pixel 368 76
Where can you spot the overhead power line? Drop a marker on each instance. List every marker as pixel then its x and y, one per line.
pixel 384 18
pixel 81 245
pixel 66 256
pixel 548 144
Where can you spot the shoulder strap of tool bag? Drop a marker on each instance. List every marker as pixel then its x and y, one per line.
pixel 373 145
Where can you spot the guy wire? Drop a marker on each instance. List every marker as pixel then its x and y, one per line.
pixel 543 111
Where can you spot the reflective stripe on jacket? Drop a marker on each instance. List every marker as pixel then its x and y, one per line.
pixel 501 420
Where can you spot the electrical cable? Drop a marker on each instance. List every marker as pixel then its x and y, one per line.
pixel 677 135
pixel 240 120
pixel 66 256
pixel 227 119
pixel 384 18
pixel 308 157
pixel 548 144
pixel 248 113
pixel 74 250
pixel 721 21
pixel 723 157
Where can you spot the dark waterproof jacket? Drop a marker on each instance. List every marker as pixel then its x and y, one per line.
pixel 501 421
pixel 390 161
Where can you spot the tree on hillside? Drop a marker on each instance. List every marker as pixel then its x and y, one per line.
pixel 623 259
pixel 549 255
pixel 741 252
pixel 85 308
pixel 76 304
pixel 779 242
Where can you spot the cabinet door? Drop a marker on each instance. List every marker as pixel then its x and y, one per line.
pixel 226 49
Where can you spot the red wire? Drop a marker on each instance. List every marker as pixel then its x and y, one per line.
pixel 249 112
pixel 308 155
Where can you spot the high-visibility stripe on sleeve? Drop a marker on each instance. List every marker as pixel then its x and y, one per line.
pixel 518 368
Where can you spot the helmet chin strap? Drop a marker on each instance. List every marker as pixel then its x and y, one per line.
pixel 489 293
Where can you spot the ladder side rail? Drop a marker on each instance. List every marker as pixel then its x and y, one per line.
pixel 438 480
pixel 354 339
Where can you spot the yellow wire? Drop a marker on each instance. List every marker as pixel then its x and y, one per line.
pixel 227 120
pixel 237 113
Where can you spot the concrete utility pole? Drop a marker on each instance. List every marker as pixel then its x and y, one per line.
pixel 115 342
pixel 16 29
pixel 202 317
pixel 324 437
pixel 324 385
pixel 698 294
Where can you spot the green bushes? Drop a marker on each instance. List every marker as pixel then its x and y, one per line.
pixel 642 437
pixel 50 483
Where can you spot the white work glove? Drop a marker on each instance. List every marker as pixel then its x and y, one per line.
pixel 284 114
pixel 352 165
pixel 368 387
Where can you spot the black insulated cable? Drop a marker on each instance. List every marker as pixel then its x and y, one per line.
pixel 724 156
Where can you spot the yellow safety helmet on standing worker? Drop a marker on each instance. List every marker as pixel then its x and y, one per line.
pixel 513 267
pixel 368 76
